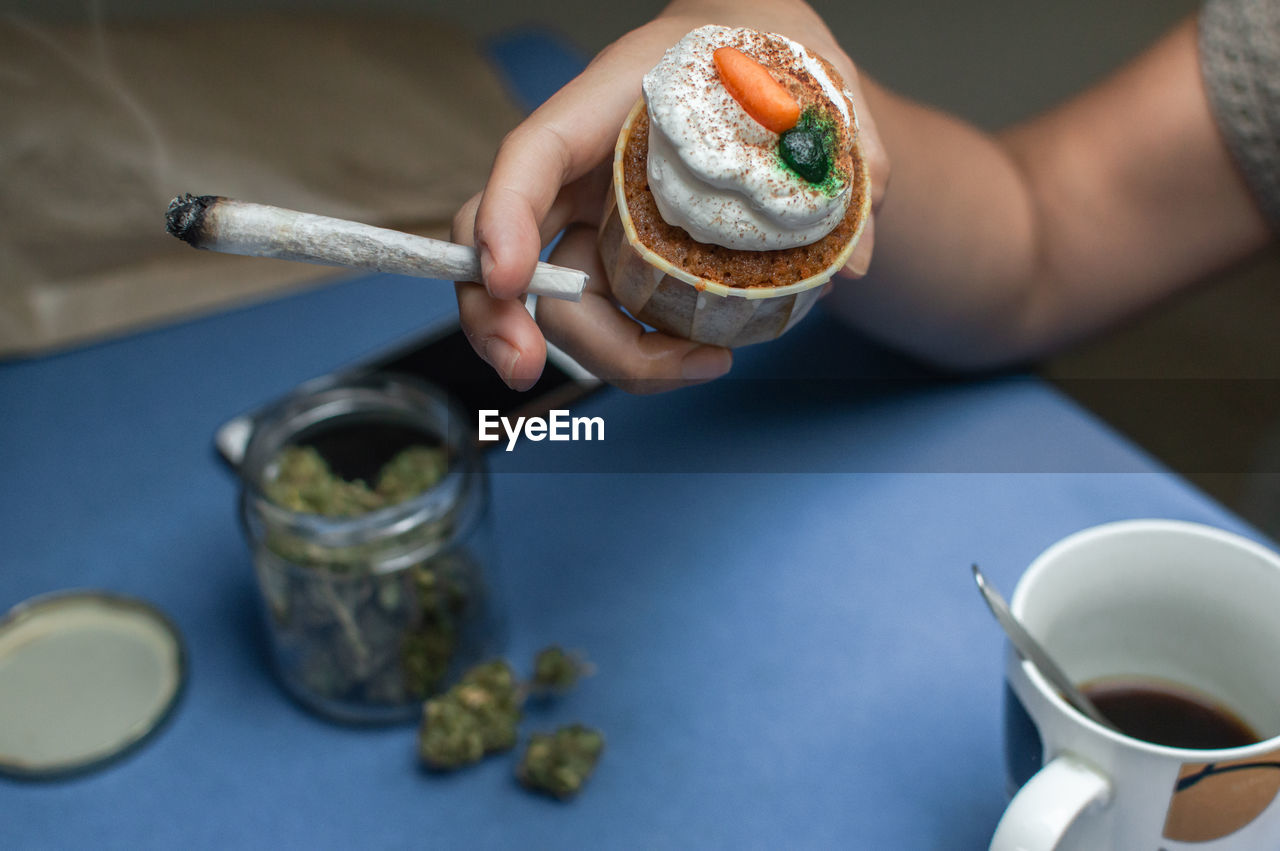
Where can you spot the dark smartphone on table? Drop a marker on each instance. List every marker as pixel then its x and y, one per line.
pixel 443 357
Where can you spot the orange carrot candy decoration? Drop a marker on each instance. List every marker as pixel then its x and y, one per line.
pixel 764 98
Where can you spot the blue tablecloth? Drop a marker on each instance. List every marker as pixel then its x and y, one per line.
pixel 771 573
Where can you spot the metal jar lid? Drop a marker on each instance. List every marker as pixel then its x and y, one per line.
pixel 84 677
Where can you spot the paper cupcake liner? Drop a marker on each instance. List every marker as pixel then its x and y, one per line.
pixel 676 301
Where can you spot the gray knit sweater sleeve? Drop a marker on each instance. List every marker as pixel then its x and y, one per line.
pixel 1240 60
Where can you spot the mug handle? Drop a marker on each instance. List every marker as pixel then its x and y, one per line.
pixel 1049 803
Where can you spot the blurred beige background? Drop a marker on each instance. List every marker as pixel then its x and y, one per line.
pixel 1195 383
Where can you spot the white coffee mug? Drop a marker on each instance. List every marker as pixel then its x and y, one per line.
pixel 1148 599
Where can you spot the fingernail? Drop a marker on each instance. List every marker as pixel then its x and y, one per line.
pixel 858 263
pixel 502 356
pixel 486 264
pixel 705 363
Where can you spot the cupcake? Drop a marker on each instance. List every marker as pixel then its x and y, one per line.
pixel 738 188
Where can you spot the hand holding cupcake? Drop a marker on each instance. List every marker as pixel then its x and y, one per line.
pixel 739 188
pixel 554 170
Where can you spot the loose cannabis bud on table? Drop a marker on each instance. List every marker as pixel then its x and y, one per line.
pixel 559 763
pixel 480 714
pixel 555 670
pixel 476 717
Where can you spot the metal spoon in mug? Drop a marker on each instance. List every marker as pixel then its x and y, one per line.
pixel 1031 650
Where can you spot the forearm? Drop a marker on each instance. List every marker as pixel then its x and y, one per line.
pixel 994 248
pixel 955 245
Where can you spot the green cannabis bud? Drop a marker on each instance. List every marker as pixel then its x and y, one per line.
pixel 413 471
pixel 556 671
pixel 477 716
pixel 424 657
pixel 559 763
pixel 428 650
pixel 366 636
pixel 304 482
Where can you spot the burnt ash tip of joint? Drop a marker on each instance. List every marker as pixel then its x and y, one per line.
pixel 185 217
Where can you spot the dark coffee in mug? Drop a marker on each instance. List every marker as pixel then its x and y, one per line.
pixel 1170 714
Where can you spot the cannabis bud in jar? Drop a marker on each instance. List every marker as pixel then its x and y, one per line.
pixel 304 482
pixel 365 504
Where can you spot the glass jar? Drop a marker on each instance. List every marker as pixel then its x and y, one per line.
pixel 370 614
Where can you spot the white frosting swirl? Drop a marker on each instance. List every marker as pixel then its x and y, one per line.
pixel 713 169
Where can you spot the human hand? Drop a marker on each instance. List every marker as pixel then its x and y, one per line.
pixel 552 173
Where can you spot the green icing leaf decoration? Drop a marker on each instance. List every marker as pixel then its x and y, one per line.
pixel 801 148
pixel 808 149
